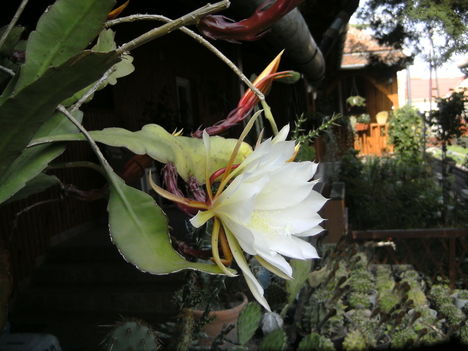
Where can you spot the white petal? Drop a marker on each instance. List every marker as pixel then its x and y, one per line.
pixel 253 284
pixel 243 234
pixel 201 218
pixel 276 260
pixel 282 134
pixel 294 247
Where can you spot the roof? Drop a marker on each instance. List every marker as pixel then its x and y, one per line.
pixel 361 48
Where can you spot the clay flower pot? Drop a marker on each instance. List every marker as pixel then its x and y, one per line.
pixel 219 319
pixel 361 127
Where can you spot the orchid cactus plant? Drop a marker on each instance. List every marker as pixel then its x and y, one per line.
pixel 260 201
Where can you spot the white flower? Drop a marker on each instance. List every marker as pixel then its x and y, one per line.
pixel 268 210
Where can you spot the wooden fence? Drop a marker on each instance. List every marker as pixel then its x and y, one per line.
pixel 372 139
pixel 434 252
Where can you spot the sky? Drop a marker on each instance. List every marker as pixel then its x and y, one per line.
pixel 420 68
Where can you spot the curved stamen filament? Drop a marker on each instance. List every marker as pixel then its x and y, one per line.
pixel 235 151
pixel 215 247
pixel 170 196
pixel 225 247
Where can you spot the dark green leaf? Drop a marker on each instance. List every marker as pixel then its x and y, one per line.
pixel 40 183
pixel 63 31
pixel 27 166
pixel 32 161
pixel 22 114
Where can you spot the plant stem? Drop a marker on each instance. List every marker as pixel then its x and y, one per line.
pixel 188 19
pixel 88 137
pixel 92 90
pixel 198 38
pixel 112 178
pixel 7 70
pixel 13 22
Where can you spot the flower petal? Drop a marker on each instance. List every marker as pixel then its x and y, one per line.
pixel 201 218
pixel 253 284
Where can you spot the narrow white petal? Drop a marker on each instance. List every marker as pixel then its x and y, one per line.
pixel 201 218
pixel 282 134
pixel 277 261
pixel 294 247
pixel 253 284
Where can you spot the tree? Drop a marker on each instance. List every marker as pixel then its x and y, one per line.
pixel 404 22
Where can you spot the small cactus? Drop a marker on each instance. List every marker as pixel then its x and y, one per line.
pixel 359 300
pixel 248 322
pixel 275 341
pixel 131 335
pixel 315 342
pixel 354 341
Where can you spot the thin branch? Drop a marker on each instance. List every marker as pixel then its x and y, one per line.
pixel 198 38
pixel 26 209
pixel 107 167
pixel 92 90
pixel 13 21
pixel 188 19
pixel 88 137
pixel 7 70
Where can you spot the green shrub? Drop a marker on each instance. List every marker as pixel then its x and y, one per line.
pixel 405 131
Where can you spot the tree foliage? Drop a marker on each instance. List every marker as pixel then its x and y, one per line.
pixel 406 131
pixel 403 23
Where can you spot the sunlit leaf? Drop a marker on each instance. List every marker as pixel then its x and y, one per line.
pixel 188 154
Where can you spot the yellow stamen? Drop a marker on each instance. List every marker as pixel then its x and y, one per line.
pixel 170 196
pixel 215 248
pixel 225 248
pixel 296 151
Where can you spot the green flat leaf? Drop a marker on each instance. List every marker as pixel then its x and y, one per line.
pixel 27 166
pixel 106 43
pixel 275 341
pixel 139 229
pixel 248 322
pixel 63 31
pixel 11 40
pixel 32 161
pixel 188 154
pixel 40 183
pixel 22 114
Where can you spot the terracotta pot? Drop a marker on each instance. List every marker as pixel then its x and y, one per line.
pixel 220 319
pixel 361 126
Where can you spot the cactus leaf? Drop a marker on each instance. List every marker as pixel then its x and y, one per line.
pixel 275 341
pixel 315 342
pixel 248 322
